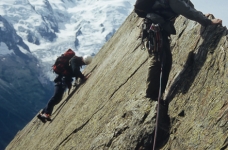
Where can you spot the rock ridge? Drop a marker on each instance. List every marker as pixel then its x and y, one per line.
pixel 109 111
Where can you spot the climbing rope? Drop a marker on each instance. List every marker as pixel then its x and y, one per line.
pixel 157 40
pixel 158 105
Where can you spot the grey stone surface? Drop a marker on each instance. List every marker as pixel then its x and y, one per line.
pixel 109 112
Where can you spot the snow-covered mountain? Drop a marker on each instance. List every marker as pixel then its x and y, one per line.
pixel 49 27
pixel 33 33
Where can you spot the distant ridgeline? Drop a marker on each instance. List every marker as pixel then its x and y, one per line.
pixel 24 89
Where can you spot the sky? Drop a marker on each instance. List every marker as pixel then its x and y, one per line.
pixel 216 7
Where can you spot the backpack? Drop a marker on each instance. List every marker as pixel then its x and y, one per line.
pixel 142 7
pixel 61 65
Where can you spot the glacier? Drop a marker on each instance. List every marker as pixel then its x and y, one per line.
pixel 49 27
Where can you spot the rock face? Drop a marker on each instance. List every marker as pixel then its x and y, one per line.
pixel 108 111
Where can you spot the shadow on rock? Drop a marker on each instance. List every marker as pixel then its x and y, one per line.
pixel 163 132
pixel 195 61
pixel 163 129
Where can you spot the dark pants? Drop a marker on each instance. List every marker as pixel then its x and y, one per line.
pixel 154 70
pixel 55 99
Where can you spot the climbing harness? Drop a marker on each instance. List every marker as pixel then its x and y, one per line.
pixel 144 34
pixel 150 32
pixel 155 40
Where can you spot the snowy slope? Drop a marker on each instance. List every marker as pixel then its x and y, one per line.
pixel 49 27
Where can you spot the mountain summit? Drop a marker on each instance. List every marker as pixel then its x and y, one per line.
pixel 109 110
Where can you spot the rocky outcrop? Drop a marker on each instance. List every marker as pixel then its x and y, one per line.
pixel 109 111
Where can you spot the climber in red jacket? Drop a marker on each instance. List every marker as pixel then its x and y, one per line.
pixel 62 82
